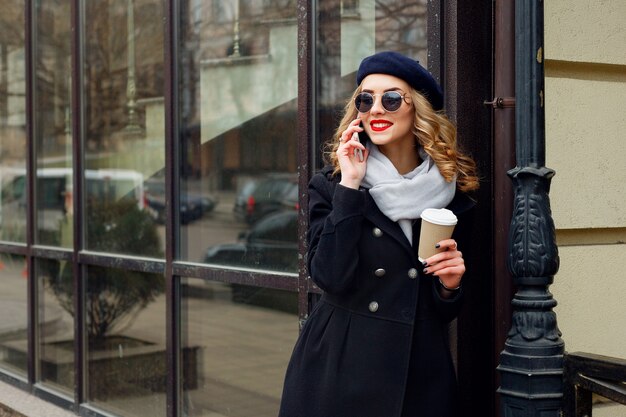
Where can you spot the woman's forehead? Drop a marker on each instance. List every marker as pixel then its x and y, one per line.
pixel 383 82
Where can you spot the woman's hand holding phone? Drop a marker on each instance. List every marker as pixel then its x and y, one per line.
pixel 352 155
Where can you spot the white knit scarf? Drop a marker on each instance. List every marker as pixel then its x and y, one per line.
pixel 402 198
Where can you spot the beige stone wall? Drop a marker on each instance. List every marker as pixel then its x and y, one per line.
pixel 585 49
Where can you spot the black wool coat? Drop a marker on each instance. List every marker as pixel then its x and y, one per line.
pixel 375 345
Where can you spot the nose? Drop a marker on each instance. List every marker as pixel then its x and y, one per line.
pixel 377 108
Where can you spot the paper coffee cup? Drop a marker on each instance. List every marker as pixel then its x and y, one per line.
pixel 437 225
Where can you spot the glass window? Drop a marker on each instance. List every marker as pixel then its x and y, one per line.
pixel 125 326
pixel 14 310
pixel 12 123
pixel 124 125
pixel 350 30
pixel 238 66
pixel 236 343
pixel 56 323
pixel 53 123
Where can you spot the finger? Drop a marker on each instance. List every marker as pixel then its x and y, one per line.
pixel 446 244
pixel 355 122
pixel 442 256
pixel 440 266
pixel 349 133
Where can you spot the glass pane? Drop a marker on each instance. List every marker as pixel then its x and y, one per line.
pixel 56 323
pixel 238 67
pixel 236 343
pixel 343 41
pixel 126 359
pixel 12 123
pixel 52 113
pixel 124 125
pixel 14 310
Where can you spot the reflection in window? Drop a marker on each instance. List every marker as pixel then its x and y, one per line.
pixel 53 123
pixel 124 123
pixel 56 323
pixel 125 326
pixel 239 131
pixel 236 343
pixel 12 122
pixel 13 310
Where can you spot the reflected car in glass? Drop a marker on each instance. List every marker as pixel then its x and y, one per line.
pixel 192 206
pixel 263 196
pixel 270 244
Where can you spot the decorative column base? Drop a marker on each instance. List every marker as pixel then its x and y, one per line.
pixel 531 365
pixel 531 385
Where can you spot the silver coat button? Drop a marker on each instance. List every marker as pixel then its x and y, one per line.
pixel 377 232
pixel 373 306
pixel 412 273
pixel 380 272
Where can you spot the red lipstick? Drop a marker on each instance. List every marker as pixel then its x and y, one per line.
pixel 380 125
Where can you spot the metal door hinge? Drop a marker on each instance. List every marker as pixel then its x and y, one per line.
pixel 501 102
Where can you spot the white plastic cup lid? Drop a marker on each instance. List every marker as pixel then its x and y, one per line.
pixel 442 217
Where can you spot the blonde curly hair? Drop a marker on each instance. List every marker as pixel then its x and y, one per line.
pixel 435 133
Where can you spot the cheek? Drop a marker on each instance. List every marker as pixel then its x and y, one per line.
pixel 406 123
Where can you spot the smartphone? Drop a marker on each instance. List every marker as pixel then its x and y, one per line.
pixel 363 138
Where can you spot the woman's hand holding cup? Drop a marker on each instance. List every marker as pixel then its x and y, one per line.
pixel 438 252
pixel 447 265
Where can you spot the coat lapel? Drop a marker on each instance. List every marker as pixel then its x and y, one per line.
pixel 373 214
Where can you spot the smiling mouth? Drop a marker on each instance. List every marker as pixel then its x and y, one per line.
pixel 379 126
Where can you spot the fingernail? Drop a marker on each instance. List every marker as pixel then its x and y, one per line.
pixel 424 263
pixel 437 246
pixel 425 270
pixel 435 275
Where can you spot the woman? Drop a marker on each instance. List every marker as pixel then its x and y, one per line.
pixel 376 344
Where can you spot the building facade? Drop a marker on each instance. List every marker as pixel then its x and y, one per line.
pixel 585 89
pixel 154 158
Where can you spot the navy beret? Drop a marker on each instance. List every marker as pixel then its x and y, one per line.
pixel 405 68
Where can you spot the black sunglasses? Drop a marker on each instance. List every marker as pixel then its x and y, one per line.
pixel 391 101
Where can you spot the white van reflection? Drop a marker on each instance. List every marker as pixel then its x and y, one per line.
pixel 55 194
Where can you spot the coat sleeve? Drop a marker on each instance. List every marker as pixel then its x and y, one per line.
pixel 447 308
pixel 335 219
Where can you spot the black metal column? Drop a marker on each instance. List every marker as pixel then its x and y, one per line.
pixel 531 365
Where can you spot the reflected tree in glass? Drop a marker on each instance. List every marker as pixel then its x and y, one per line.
pixel 114 295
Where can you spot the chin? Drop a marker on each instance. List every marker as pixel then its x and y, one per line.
pixel 381 140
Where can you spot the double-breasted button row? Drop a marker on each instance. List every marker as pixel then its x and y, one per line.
pixel 373 306
pixel 380 272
